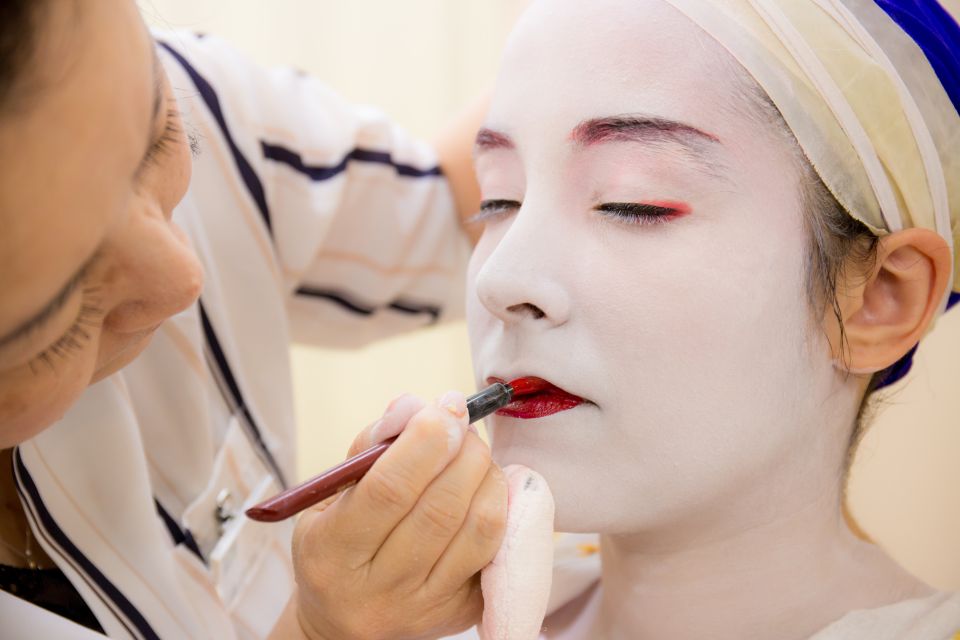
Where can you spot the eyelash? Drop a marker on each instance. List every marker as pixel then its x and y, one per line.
pixel 169 137
pixel 639 213
pixel 490 209
pixel 627 212
pixel 74 338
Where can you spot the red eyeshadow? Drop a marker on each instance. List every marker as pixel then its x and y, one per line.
pixel 675 206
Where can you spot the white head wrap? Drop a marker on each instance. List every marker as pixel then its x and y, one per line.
pixel 863 101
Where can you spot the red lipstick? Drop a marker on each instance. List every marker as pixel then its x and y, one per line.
pixel 538 399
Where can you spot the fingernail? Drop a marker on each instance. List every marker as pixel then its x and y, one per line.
pixel 473 429
pixel 454 402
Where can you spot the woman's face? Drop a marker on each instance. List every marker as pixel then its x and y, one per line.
pixel 645 250
pixel 94 162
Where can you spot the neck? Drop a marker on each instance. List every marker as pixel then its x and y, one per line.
pixel 783 575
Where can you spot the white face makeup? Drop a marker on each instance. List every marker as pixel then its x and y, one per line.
pixel 690 332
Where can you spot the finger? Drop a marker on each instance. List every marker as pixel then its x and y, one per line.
pixel 479 539
pixel 393 421
pixel 366 514
pixel 416 544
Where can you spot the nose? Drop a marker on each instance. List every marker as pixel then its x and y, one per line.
pixel 160 272
pixel 521 281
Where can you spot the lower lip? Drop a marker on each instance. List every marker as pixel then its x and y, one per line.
pixel 540 405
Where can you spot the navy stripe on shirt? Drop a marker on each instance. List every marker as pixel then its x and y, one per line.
pixel 180 535
pixel 78 560
pixel 63 558
pixel 249 176
pixel 292 159
pixel 349 303
pixel 239 404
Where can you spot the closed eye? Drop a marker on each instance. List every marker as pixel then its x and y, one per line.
pixel 169 137
pixel 491 209
pixel 643 213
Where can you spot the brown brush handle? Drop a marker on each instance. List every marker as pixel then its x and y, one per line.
pixel 317 489
pixel 329 483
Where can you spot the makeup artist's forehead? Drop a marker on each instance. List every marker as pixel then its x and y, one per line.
pixel 69 159
pixel 569 61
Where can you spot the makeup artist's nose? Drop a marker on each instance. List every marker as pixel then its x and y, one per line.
pixel 518 283
pixel 161 274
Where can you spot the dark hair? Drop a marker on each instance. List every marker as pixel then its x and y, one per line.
pixel 839 243
pixel 19 25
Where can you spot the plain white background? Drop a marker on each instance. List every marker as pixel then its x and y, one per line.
pixel 421 61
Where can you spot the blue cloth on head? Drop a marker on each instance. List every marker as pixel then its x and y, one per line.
pixel 938 36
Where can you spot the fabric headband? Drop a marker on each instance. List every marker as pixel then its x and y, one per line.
pixel 871 91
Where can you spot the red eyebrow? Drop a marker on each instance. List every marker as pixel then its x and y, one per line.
pixel 489 139
pixel 639 128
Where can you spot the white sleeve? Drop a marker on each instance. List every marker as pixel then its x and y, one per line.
pixel 361 222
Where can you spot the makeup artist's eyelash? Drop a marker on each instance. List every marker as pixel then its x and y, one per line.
pixel 169 139
pixel 490 209
pixel 638 213
pixel 166 141
pixel 74 338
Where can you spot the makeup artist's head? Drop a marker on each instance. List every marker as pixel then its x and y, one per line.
pixel 656 243
pixel 92 163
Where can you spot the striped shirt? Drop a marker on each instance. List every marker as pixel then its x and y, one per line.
pixel 316 221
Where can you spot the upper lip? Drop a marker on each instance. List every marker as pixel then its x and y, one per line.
pixel 504 379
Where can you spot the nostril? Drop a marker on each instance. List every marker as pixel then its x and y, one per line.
pixel 526 308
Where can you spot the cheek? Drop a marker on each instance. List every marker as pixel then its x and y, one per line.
pixel 32 400
pixel 703 350
pixel 718 328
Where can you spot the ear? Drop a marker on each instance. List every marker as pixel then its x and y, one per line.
pixel 887 313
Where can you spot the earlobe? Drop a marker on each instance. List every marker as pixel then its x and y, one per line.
pixel 889 310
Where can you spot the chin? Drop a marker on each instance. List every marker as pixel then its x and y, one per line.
pixel 575 511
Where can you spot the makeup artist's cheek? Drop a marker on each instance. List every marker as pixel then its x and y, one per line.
pixel 31 400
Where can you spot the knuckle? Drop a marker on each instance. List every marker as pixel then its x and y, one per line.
pixel 489 522
pixel 440 516
pixel 389 490
pixel 430 424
